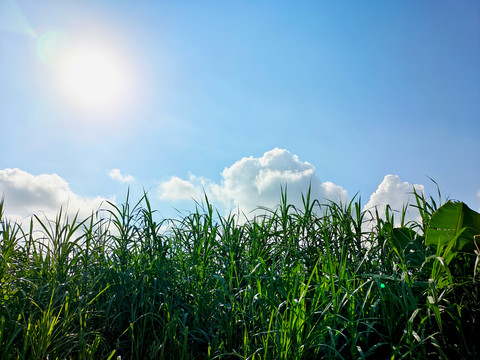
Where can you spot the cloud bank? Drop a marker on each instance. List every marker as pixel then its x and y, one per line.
pixel 26 194
pixel 252 182
pixel 245 185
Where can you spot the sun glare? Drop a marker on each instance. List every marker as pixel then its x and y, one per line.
pixel 91 78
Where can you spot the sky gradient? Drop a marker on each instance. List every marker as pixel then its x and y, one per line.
pixel 237 98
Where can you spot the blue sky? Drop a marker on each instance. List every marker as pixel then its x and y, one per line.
pixel 236 98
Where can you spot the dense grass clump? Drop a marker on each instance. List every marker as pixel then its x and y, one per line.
pixel 322 282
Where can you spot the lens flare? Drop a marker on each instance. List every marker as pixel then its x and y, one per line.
pixel 51 45
pixel 12 18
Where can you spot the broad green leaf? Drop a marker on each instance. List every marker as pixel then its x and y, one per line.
pixel 456 222
pixel 402 237
pixel 409 246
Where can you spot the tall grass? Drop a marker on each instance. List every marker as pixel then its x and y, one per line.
pixel 321 282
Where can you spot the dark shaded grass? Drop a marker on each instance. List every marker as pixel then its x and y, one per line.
pixel 322 282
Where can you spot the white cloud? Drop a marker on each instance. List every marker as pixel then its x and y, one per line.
pixel 115 174
pixel 178 189
pixel 26 194
pixel 392 191
pixel 252 182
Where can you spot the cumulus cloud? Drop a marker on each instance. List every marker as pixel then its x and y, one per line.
pixel 115 174
pixel 26 194
pixel 392 191
pixel 252 182
pixel 178 189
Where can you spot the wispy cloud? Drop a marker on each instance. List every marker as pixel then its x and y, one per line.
pixel 115 174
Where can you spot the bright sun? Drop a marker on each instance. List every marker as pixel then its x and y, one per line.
pixel 91 78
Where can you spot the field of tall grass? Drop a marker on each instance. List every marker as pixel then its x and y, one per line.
pixel 326 281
